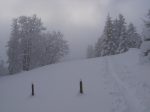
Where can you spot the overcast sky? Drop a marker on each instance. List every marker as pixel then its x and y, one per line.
pixel 81 21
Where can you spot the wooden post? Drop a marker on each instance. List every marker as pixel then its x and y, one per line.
pixel 81 87
pixel 32 89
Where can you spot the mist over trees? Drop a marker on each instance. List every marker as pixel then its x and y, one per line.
pixel 117 37
pixel 90 52
pixel 31 46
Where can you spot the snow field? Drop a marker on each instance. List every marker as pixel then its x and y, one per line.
pixel 110 84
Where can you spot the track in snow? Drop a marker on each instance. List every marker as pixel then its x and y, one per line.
pixel 131 100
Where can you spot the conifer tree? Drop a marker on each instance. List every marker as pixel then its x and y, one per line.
pixel 116 38
pixel 104 44
pixel 134 39
pixel 122 35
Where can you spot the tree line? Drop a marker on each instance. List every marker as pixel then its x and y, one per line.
pixel 31 46
pixel 117 37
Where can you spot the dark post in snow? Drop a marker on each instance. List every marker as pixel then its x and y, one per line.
pixel 32 89
pixel 81 87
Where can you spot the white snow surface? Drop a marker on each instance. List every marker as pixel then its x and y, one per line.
pixel 116 83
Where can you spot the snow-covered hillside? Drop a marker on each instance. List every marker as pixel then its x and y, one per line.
pixel 111 84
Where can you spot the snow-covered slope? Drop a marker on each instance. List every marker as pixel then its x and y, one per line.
pixel 111 84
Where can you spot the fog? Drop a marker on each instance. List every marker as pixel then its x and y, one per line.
pixel 81 21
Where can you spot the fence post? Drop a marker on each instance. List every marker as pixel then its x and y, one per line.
pixel 81 87
pixel 32 89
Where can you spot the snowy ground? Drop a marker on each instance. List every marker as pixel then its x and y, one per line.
pixel 111 84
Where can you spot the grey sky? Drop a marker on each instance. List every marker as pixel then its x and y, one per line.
pixel 81 21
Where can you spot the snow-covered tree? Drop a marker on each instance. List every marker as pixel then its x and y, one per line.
pixel 108 37
pixel 104 45
pixel 55 47
pixel 122 35
pixel 29 47
pixel 134 39
pixel 116 38
pixel 145 47
pixel 14 50
pixel 98 47
pixel 21 46
pixel 37 51
pixel 147 21
pixel 110 40
pixel 90 51
pixel 30 30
